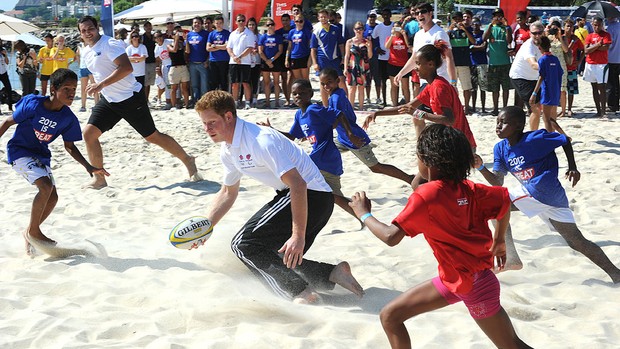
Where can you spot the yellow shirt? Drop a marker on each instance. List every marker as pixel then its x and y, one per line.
pixel 63 58
pixel 582 34
pixel 47 62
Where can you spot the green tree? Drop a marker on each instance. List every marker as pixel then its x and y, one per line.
pixel 69 22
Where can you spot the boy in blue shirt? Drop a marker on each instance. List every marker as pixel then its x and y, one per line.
pixel 327 49
pixel 549 82
pixel 530 157
pixel 40 120
pixel 338 100
pixel 316 123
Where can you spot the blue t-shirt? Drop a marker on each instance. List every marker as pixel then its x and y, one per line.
pixel 326 43
pixel 478 57
pixel 411 28
pixel 534 163
pixel 338 100
pixel 300 41
pixel 270 44
pixel 198 46
pixel 551 71
pixel 285 39
pixel 37 127
pixel 317 125
pixel 219 38
pixel 368 29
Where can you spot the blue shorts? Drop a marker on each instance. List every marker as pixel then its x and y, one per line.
pixel 334 64
pixel 84 73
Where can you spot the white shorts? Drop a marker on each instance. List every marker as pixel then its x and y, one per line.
pixel 596 73
pixel 464 75
pixel 531 207
pixel 32 169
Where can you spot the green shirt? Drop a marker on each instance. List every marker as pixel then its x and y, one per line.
pixel 498 46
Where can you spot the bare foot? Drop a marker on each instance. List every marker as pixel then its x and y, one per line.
pixel 307 296
pixel 98 183
pixel 342 276
pixel 30 251
pixel 39 237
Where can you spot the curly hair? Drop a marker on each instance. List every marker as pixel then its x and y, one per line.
pixel 446 149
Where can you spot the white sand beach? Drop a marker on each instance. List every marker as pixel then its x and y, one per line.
pixel 147 294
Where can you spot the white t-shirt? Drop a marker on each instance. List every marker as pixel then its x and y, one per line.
pixel 100 61
pixel 423 38
pixel 3 65
pixel 139 69
pixel 161 52
pixel 265 155
pixel 521 68
pixel 383 32
pixel 239 42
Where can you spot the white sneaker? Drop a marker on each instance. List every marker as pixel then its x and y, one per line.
pixel 173 109
pixel 367 101
pixel 378 101
pixel 247 106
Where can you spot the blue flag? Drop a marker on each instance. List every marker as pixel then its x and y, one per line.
pixel 107 17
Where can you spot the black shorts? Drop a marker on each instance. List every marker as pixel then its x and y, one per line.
pixel 383 70
pixel 299 63
pixel 525 88
pixel 239 73
pixel 44 77
pixel 278 65
pixel 141 80
pixel 134 110
pixel 393 70
pixel 374 70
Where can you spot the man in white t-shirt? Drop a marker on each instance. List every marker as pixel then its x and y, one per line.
pixel 241 43
pixel 121 98
pixel 273 242
pixel 430 33
pixel 382 32
pixel 524 71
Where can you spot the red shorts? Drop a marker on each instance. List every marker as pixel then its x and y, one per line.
pixel 482 301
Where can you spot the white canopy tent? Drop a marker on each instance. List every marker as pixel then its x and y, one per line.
pixel 176 9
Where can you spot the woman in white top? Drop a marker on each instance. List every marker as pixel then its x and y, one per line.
pixel 86 77
pixel 4 75
pixel 137 55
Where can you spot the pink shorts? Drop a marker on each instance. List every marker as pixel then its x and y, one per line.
pixel 482 301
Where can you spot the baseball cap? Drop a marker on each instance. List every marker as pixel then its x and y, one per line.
pixel 169 20
pixel 498 11
pixel 48 35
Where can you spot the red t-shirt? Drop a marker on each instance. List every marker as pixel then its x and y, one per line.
pixel 577 46
pixel 398 52
pixel 521 35
pixel 598 56
pixel 454 221
pixel 440 94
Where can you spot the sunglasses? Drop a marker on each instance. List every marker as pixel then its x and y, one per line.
pixel 270 24
pixel 536 33
pixel 135 37
pixel 421 12
pixel 359 28
pixel 240 20
pixel 301 21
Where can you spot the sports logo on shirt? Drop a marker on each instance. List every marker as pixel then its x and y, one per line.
pixel 462 201
pixel 524 175
pixel 246 161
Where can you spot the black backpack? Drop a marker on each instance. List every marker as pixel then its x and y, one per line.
pixel 6 97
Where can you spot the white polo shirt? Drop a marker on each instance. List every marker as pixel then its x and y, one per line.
pixel 239 42
pixel 521 68
pixel 265 155
pixel 100 61
pixel 423 38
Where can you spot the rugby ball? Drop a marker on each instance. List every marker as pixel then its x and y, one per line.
pixel 191 233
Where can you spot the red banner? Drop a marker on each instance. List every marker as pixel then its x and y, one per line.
pixel 280 7
pixel 511 7
pixel 249 8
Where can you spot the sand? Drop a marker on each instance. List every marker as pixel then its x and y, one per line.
pixel 147 294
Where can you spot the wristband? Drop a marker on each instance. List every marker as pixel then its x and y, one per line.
pixel 365 216
pixel 480 168
pixel 534 94
pixel 272 59
pixel 419 114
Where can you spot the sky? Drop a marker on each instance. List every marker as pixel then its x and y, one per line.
pixel 7 4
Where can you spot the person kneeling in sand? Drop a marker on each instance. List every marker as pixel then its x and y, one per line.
pixel 40 120
pixel 530 157
pixel 273 242
pixel 452 213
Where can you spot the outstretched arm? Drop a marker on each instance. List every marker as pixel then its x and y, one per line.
pixel 571 174
pixel 494 178
pixel 358 142
pixel 268 124
pixel 223 201
pixel 498 248
pixel 390 234
pixel 391 111
pixel 77 155
pixel 123 68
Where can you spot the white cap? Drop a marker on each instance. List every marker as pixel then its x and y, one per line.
pixel 169 20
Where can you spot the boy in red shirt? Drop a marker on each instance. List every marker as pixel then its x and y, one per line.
pixel 452 213
pixel 597 44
